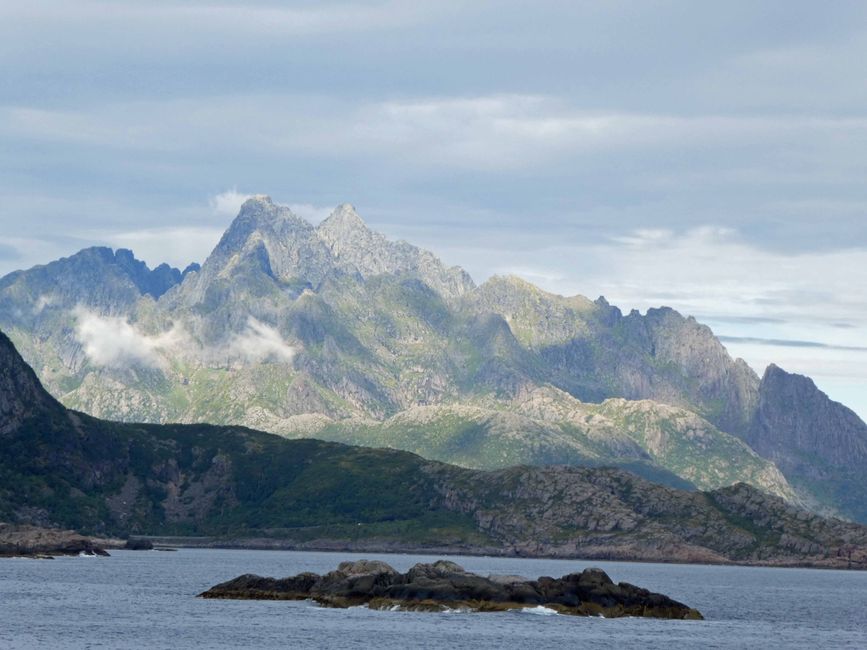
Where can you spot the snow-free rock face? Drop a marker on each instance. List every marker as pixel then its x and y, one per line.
pixel 269 239
pixel 306 329
pixel 593 351
pixel 796 424
pixel 812 439
pixel 265 243
pixel 356 248
pixel 98 278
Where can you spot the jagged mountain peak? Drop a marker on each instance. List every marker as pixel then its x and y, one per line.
pixel 270 234
pixel 773 371
pixel 97 277
pixel 268 239
pixel 346 235
pixel 260 212
pixel 344 216
pixel 359 250
pixel 796 424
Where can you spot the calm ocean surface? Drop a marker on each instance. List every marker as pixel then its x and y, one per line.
pixel 147 600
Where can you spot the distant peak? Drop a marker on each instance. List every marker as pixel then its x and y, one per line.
pixel 344 216
pixel 259 210
pixel 257 203
pixel 512 282
pixel 773 371
pixel 344 229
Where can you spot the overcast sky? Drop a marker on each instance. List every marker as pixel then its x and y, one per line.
pixel 707 156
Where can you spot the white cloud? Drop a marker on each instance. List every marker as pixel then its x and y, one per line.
pixel 175 246
pixel 260 342
pixel 228 203
pixel 114 342
pixel 45 300
pixel 312 213
pixel 497 132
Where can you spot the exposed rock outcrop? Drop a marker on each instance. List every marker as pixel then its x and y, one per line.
pixel 33 541
pixel 803 431
pixel 819 444
pixel 445 585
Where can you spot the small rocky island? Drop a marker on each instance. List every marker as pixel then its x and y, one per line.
pixel 445 585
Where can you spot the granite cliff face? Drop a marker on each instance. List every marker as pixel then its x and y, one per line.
pixel 801 429
pixel 65 469
pixel 336 331
pixel 591 350
pixel 820 443
pixel 357 249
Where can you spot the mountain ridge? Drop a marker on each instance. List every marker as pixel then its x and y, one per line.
pixel 287 325
pixel 62 468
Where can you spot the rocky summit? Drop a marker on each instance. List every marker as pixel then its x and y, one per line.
pixel 444 585
pixel 334 331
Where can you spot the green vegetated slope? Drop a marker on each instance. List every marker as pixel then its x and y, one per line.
pixel 64 468
pixel 548 427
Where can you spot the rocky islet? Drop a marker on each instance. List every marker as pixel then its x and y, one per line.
pixel 444 585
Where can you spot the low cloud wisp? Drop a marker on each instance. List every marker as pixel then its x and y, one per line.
pixel 260 342
pixel 112 341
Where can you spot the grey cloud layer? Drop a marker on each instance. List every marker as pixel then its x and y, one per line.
pixel 592 147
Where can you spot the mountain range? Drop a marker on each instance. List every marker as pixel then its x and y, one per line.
pixel 335 332
pixel 64 468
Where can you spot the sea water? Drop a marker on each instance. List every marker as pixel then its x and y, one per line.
pixel 147 599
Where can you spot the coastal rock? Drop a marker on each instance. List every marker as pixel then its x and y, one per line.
pixel 445 585
pixel 33 541
pixel 138 544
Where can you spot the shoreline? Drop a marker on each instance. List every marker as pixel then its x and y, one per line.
pixel 396 548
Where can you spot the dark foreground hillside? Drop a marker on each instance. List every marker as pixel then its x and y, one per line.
pixel 63 468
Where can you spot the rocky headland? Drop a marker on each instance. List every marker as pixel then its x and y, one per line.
pixel 37 542
pixel 445 585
